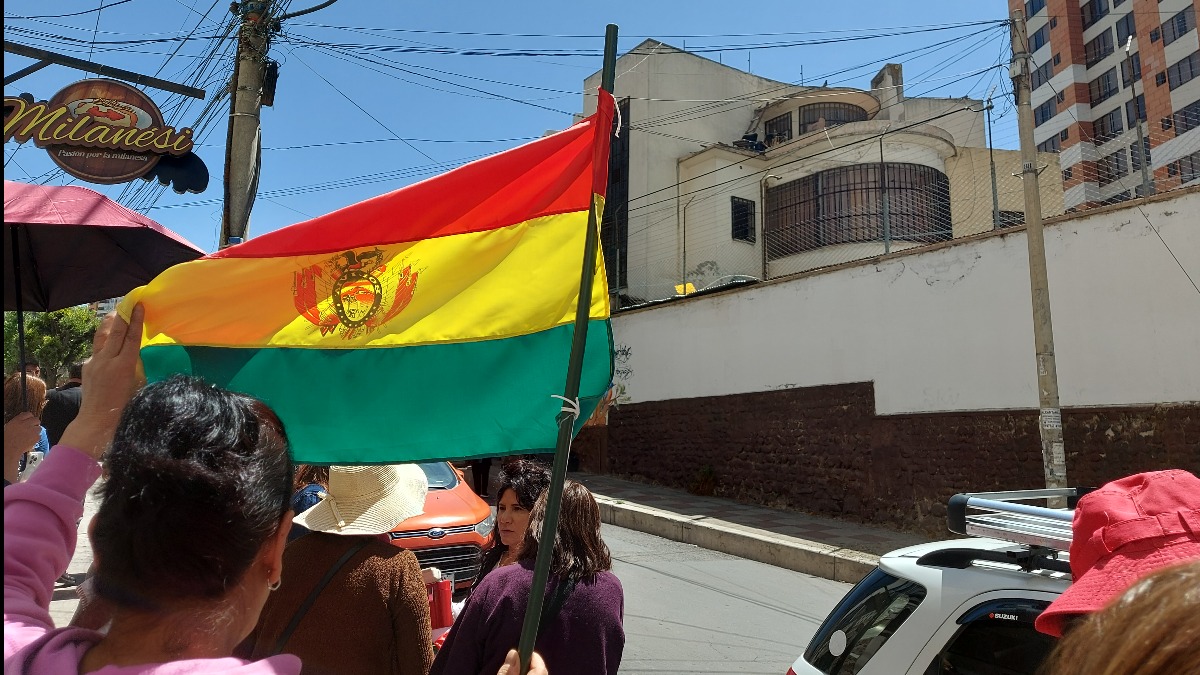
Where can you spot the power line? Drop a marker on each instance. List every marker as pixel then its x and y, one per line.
pixel 362 109
pixel 99 9
pixel 635 37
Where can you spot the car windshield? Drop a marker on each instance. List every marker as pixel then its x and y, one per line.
pixel 441 475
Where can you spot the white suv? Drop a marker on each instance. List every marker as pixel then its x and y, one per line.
pixel 958 607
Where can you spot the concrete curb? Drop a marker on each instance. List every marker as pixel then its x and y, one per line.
pixel 793 553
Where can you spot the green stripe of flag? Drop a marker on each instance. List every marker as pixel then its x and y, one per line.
pixel 440 401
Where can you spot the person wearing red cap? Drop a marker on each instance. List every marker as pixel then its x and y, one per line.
pixel 1151 629
pixel 1122 532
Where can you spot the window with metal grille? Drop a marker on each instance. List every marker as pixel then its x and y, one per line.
pixel 1092 10
pixel 845 205
pixel 1039 38
pixel 1103 87
pixel 1131 70
pixel 1107 126
pixel 1189 167
pixel 831 113
pixel 1098 48
pixel 1112 167
pixel 1135 110
pixel 1044 112
pixel 1116 199
pixel 1042 74
pixel 1135 155
pixel 1064 134
pixel 778 129
pixel 1183 72
pixel 1011 218
pixel 1175 27
pixel 1187 118
pixel 741 215
pixel 1125 27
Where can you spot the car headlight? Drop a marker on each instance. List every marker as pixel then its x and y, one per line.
pixel 484 528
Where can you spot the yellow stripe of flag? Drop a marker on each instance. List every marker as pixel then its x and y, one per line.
pixel 465 287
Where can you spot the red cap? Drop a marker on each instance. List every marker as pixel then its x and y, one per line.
pixel 1122 532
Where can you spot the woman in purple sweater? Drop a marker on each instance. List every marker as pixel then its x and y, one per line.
pixel 581 633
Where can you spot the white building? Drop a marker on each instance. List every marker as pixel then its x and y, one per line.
pixel 720 175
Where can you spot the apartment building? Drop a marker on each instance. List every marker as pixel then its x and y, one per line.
pixel 1100 69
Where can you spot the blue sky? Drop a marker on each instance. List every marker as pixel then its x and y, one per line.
pixel 356 77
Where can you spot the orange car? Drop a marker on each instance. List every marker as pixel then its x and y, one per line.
pixel 455 530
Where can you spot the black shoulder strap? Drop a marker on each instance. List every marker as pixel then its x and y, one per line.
pixel 312 597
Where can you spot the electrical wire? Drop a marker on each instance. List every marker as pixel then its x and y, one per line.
pixel 362 109
pixel 99 9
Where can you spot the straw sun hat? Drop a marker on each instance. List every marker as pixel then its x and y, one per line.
pixel 367 499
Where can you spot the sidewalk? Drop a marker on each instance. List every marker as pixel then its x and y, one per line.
pixel 822 547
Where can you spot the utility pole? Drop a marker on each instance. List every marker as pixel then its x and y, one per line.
pixel 883 189
pixel 992 162
pixel 243 142
pixel 1054 458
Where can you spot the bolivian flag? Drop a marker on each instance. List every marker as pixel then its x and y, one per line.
pixel 432 322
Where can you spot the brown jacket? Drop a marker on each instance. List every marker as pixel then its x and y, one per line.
pixel 373 617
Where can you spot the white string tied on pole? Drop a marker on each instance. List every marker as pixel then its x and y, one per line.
pixel 569 405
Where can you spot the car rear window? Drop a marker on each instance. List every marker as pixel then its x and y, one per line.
pixel 440 475
pixel 862 622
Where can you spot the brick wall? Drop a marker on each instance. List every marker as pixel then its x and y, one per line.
pixel 823 450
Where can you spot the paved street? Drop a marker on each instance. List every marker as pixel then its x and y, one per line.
pixel 691 610
pixel 687 609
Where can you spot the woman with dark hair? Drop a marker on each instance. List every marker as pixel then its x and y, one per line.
pixel 189 535
pixel 581 628
pixel 521 482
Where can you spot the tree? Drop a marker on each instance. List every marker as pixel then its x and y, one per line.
pixel 11 355
pixel 55 339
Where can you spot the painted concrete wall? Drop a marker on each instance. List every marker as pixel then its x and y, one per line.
pixel 950 329
pixel 966 126
pixel 662 81
pixel 971 187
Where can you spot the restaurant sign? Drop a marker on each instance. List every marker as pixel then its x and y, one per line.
pixel 105 131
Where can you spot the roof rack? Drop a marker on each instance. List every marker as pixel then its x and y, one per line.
pixel 999 515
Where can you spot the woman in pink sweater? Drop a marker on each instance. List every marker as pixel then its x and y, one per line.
pixel 189 537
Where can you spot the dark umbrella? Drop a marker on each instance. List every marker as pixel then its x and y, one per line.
pixel 68 245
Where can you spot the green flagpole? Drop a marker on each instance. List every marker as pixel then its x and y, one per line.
pixel 566 421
